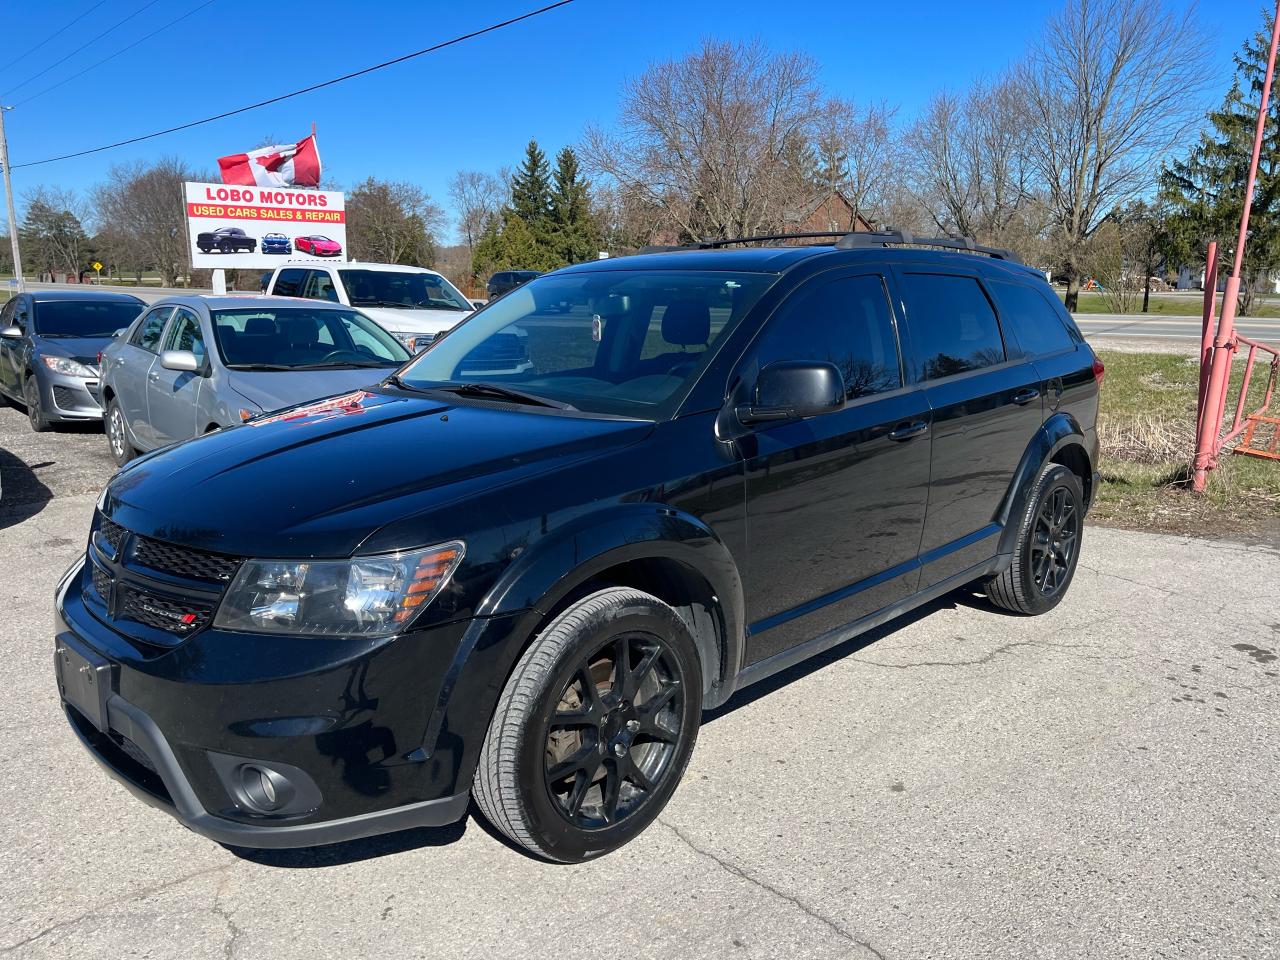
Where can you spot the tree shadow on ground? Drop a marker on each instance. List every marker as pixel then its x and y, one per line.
pixel 22 495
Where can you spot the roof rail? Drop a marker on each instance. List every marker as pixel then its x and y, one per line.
pixel 887 238
pixel 707 243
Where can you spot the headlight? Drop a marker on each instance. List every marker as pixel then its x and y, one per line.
pixel 68 367
pixel 364 597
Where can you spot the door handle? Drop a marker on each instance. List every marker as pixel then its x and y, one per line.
pixel 1023 397
pixel 906 431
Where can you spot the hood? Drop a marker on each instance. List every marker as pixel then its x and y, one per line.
pixel 395 320
pixel 277 389
pixel 83 349
pixel 318 480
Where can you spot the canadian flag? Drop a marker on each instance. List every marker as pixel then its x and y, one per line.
pixel 287 165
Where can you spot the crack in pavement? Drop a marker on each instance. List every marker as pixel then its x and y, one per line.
pixel 233 930
pixel 107 904
pixel 985 658
pixel 769 888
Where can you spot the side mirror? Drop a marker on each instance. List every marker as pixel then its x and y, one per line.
pixel 11 333
pixel 793 390
pixel 477 304
pixel 183 361
pixel 119 333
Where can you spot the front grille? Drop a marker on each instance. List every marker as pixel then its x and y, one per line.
pixel 133 751
pixel 113 533
pixel 183 561
pixel 101 582
pixel 182 617
pixel 64 397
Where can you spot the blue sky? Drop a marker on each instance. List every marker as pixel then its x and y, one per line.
pixel 472 106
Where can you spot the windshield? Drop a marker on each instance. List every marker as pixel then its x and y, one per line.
pixel 295 338
pixel 616 342
pixel 406 291
pixel 83 318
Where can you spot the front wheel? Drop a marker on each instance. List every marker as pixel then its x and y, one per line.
pixel 118 435
pixel 35 409
pixel 594 728
pixel 1048 545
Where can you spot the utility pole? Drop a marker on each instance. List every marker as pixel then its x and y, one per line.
pixel 8 197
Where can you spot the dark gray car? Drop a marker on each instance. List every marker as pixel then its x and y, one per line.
pixel 49 346
pixel 194 364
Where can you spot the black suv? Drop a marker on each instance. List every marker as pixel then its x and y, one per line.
pixel 504 281
pixel 354 616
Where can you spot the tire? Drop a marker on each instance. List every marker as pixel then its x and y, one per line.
pixel 224 247
pixel 35 409
pixel 548 784
pixel 117 431
pixel 1047 548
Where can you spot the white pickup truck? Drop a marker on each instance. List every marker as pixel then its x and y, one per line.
pixel 413 304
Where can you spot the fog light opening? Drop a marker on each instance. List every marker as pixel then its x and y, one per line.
pixel 263 790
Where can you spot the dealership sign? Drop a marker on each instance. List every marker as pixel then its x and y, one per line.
pixel 259 227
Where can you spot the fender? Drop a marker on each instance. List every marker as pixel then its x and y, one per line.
pixel 550 568
pixel 1058 431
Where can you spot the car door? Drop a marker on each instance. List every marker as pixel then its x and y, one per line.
pixel 835 503
pixel 9 350
pixel 986 403
pixel 173 395
pixel 128 378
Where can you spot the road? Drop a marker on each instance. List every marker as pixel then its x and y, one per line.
pixel 1105 326
pixel 1098 782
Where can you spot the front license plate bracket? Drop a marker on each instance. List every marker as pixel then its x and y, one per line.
pixel 84 680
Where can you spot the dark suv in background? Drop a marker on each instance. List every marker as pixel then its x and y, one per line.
pixel 504 281
pixel 526 588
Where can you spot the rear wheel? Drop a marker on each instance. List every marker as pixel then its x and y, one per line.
pixel 594 728
pixel 118 435
pixel 1048 545
pixel 35 409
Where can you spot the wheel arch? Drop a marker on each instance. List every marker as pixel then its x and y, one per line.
pixel 650 547
pixel 1060 439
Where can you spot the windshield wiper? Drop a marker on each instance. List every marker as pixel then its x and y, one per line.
pixel 385 303
pixel 498 391
pixel 337 364
pixel 260 366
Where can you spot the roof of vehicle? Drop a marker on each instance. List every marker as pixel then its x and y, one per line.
pixel 110 296
pixel 247 301
pixel 776 259
pixel 359 265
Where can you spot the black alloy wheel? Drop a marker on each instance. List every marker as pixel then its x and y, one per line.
pixel 35 410
pixel 1048 545
pixel 594 728
pixel 611 740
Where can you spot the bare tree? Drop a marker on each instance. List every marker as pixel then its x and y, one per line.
pixel 391 221
pixel 969 161
pixel 143 216
pixel 710 140
pixel 857 153
pixel 476 197
pixel 1111 88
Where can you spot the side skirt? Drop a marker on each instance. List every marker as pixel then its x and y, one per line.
pixel 820 644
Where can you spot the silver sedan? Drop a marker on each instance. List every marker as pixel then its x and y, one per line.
pixel 193 364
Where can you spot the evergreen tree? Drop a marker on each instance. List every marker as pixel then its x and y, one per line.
pixel 531 188
pixel 1205 190
pixel 575 236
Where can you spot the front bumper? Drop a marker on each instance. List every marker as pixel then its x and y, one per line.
pixel 67 398
pixel 367 736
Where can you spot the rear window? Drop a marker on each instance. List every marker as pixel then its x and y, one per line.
pixel 953 327
pixel 1032 318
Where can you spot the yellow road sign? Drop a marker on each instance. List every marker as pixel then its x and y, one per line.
pixel 97 265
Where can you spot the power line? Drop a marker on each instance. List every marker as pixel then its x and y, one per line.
pixel 88 43
pixel 75 76
pixel 57 33
pixel 296 93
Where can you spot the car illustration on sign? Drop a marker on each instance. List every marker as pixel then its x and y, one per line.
pixel 226 240
pixel 276 243
pixel 318 246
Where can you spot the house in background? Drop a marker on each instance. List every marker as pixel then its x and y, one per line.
pixel 828 211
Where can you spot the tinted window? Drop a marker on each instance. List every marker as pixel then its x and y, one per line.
pixel 1034 322
pixel 185 334
pixel 22 316
pixel 846 322
pixel 953 328
pixel 319 286
pixel 407 290
pixel 147 335
pixel 289 283
pixel 84 318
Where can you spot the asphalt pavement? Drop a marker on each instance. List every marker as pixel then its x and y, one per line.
pixel 1107 326
pixel 1098 782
